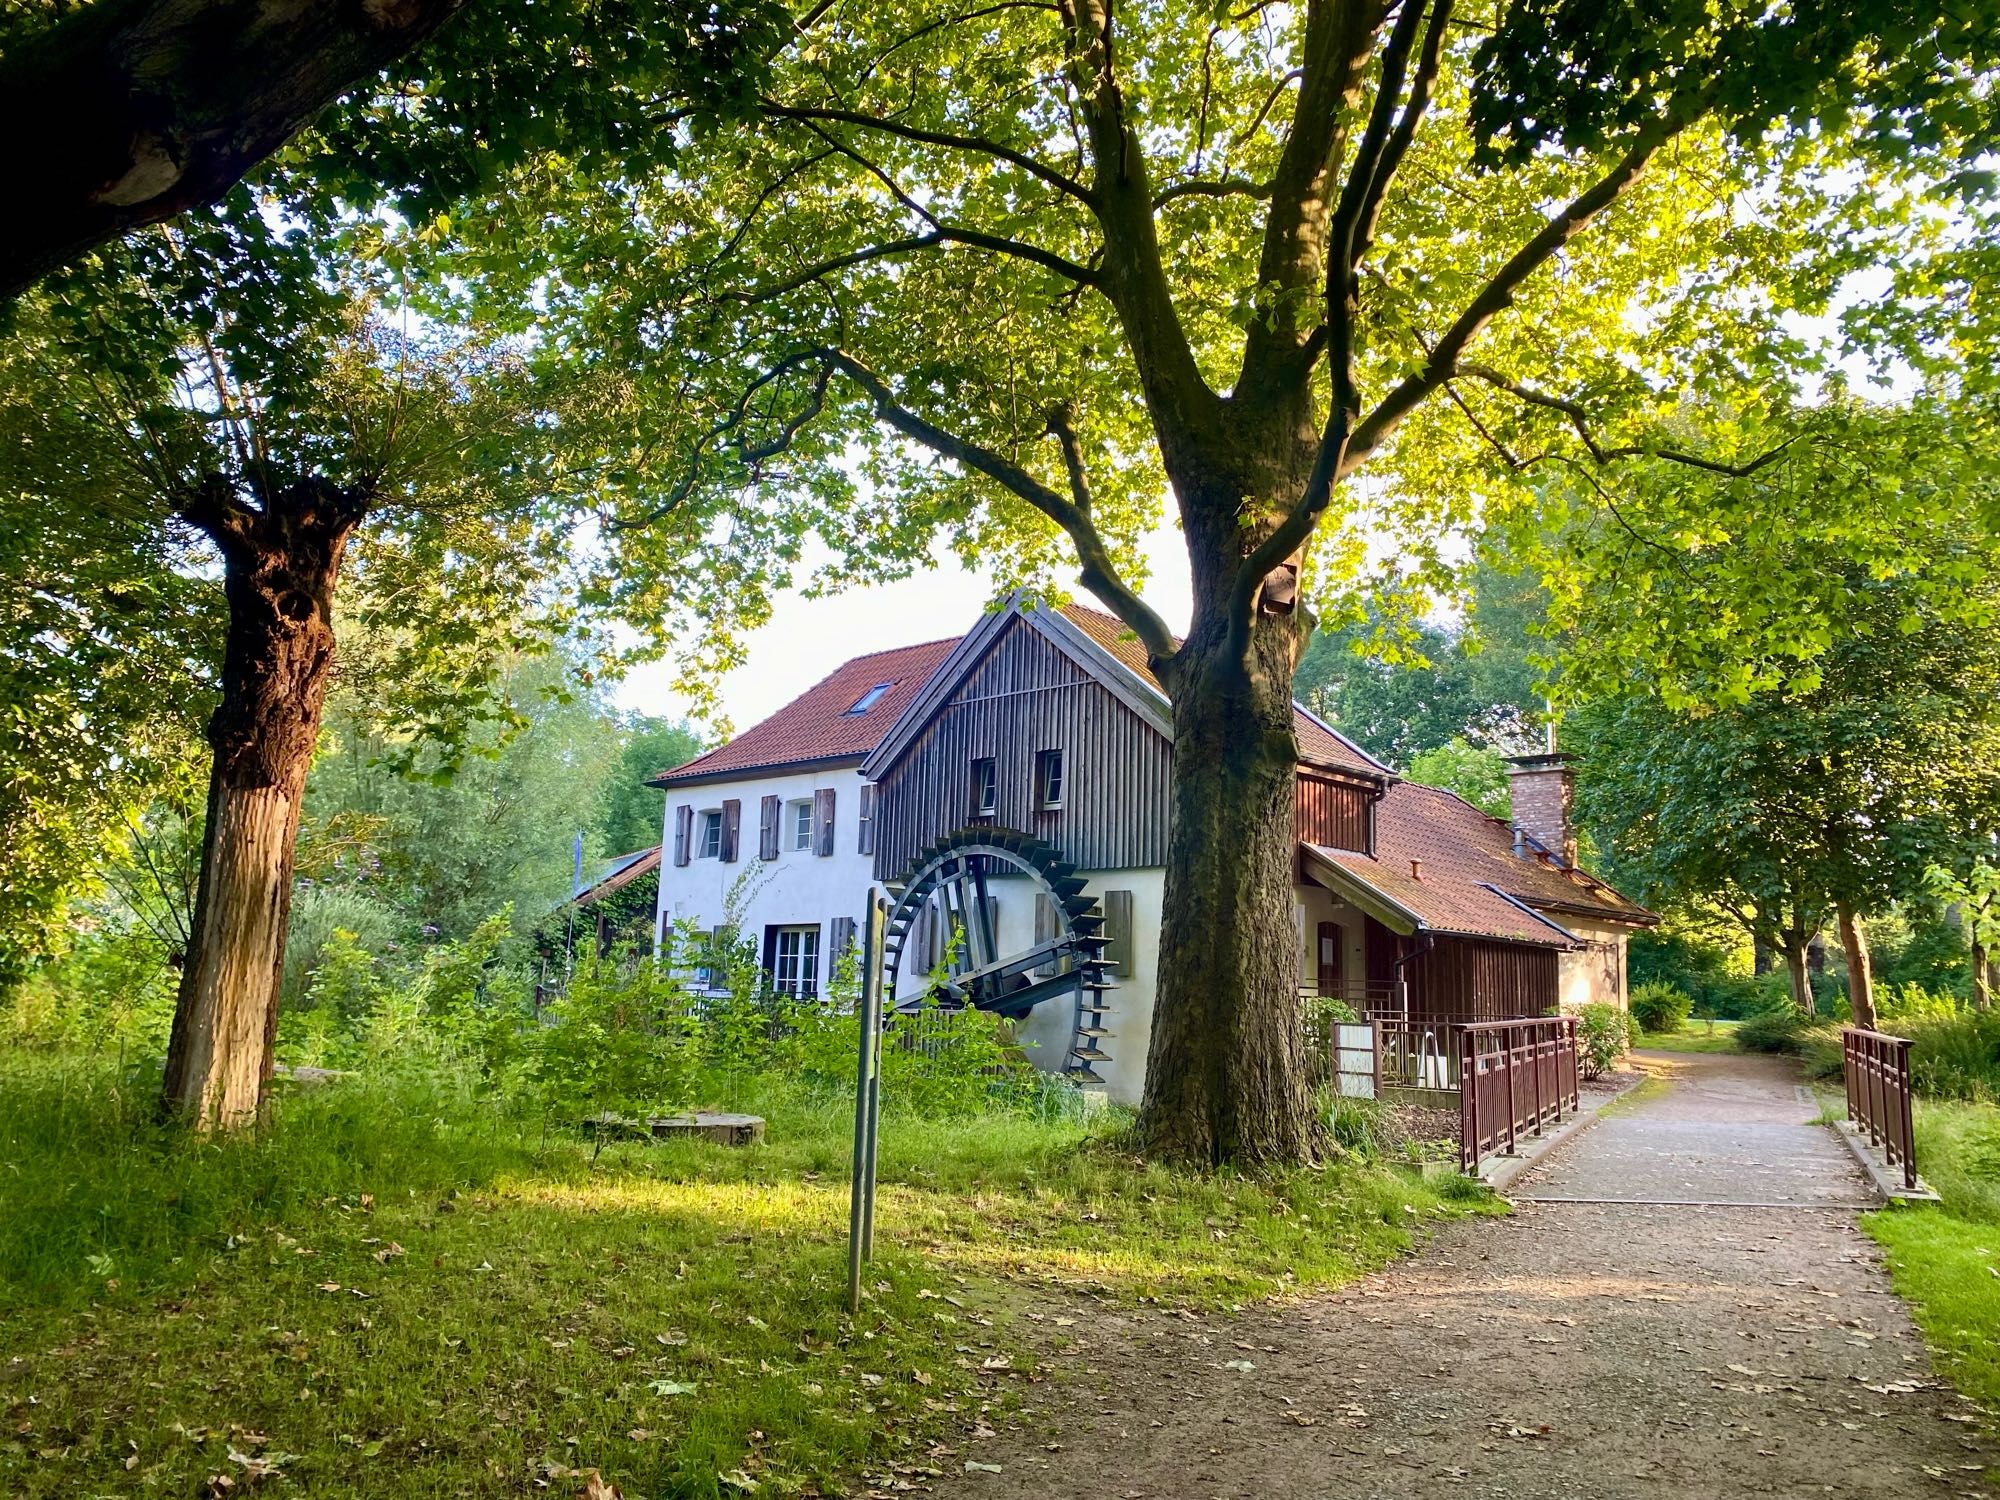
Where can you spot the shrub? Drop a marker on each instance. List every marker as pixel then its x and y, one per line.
pixel 1956 1056
pixel 1660 1008
pixel 1772 1031
pixel 1602 1034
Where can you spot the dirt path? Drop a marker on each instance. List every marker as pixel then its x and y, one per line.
pixel 1698 1345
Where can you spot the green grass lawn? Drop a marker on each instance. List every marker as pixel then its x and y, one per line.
pixel 1945 1258
pixel 401 1291
pixel 1695 1036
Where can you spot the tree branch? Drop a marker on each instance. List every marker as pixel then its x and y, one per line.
pixel 1100 573
pixel 1579 421
pixel 1345 444
pixel 1227 187
pixel 1179 399
pixel 978 145
pixel 943 235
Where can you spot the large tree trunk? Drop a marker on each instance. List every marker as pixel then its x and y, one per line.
pixel 1982 977
pixel 280 565
pixel 1227 1077
pixel 1860 976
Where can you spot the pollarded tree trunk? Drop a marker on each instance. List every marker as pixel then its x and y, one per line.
pixel 1860 972
pixel 1227 1077
pixel 280 564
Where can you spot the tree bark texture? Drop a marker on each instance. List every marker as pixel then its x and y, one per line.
pixel 280 565
pixel 1797 970
pixel 126 112
pixel 1860 974
pixel 1982 978
pixel 1227 1074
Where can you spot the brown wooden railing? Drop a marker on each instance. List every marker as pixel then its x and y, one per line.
pixel 1877 1069
pixel 1515 1077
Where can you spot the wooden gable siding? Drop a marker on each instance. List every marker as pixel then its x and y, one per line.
pixel 1462 978
pixel 1333 813
pixel 1025 696
pixel 1472 979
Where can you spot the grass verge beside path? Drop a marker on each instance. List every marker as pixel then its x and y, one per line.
pixel 403 1291
pixel 1696 1036
pixel 1944 1258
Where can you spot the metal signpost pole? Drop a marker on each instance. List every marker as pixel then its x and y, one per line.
pixel 867 1101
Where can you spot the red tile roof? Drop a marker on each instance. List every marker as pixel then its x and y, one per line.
pixel 816 726
pixel 1466 861
pixel 1319 744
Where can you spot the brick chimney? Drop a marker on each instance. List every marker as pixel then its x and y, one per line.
pixel 1541 789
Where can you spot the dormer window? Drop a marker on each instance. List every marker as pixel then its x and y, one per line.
pixel 985 787
pixel 869 699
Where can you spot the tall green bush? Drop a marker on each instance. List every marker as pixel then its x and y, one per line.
pixel 1660 1008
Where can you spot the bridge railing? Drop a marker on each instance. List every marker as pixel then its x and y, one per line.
pixel 1876 1067
pixel 1515 1078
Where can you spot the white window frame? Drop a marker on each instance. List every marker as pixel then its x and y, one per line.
pixel 711 835
pixel 796 972
pixel 1045 761
pixel 986 793
pixel 804 829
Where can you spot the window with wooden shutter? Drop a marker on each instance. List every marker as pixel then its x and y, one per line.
pixel 843 938
pixel 823 817
pixel 1117 907
pixel 683 832
pixel 865 840
pixel 732 828
pixel 767 827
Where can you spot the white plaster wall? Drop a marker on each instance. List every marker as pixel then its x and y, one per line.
pixel 1593 976
pixel 1316 904
pixel 796 888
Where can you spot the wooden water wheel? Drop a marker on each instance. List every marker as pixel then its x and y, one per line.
pixel 946 886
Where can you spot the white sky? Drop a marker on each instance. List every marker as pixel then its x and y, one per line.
pixel 807 638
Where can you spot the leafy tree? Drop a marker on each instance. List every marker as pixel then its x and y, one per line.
pixel 1829 799
pixel 446 843
pixel 1072 258
pixel 261 409
pixel 1404 688
pixel 1477 774
pixel 634 813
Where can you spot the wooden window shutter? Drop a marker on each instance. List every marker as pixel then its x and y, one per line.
pixel 823 821
pixel 843 939
pixel 1118 928
pixel 767 827
pixel 683 831
pixel 866 841
pixel 732 828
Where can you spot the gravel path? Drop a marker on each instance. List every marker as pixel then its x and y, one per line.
pixel 1642 1346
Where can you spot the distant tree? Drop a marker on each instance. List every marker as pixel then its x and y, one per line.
pixel 1475 772
pixel 1402 687
pixel 1832 799
pixel 634 813
pixel 448 842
